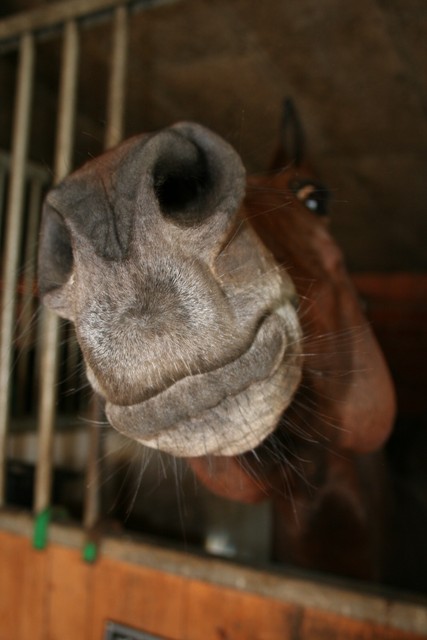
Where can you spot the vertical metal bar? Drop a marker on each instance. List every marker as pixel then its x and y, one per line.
pixel 25 319
pixel 67 101
pixel 50 326
pixel 92 493
pixel 21 130
pixel 116 93
pixel 3 175
pixel 29 275
pixel 71 370
pixel 113 135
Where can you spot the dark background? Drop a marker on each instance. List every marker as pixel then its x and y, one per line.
pixel 356 70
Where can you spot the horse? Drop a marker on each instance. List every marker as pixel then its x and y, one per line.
pixel 218 323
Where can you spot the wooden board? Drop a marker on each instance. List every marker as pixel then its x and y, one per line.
pixel 54 595
pixel 23 588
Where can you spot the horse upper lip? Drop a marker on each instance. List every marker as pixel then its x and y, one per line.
pixel 192 395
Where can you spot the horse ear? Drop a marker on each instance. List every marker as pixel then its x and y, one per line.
pixel 291 149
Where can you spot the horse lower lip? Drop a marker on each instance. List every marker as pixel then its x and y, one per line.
pixel 192 396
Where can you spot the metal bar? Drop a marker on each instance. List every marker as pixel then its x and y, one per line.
pixel 113 135
pixel 72 360
pixel 67 102
pixel 50 323
pixel 21 129
pixel 28 298
pixel 3 175
pixel 116 94
pixel 50 18
pixel 30 256
pixel 92 506
pixel 32 169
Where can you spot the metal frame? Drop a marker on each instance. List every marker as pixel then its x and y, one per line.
pixel 22 32
pixel 15 207
pixel 115 631
pixel 45 22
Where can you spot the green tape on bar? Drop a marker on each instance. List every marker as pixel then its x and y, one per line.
pixel 41 526
pixel 90 551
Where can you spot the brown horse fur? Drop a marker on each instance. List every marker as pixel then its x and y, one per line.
pixel 201 346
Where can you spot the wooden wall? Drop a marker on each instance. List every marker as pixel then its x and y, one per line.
pixel 54 595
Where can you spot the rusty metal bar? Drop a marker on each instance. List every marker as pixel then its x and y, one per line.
pixel 50 326
pixel 116 94
pixel 21 129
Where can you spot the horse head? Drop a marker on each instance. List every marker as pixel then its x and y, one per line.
pixel 217 320
pixel 187 324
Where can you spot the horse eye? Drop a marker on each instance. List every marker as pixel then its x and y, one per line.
pixel 313 195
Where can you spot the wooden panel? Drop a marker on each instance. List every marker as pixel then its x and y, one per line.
pixel 11 578
pixel 138 597
pixel 23 585
pixel 54 595
pixel 32 595
pixel 69 595
pixel 322 625
pixel 216 613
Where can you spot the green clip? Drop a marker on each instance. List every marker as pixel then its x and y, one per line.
pixel 41 527
pixel 90 551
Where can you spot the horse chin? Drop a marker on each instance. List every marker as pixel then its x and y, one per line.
pixel 229 410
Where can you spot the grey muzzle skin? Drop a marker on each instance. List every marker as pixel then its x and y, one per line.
pixel 186 323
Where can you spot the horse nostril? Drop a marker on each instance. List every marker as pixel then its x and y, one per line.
pixel 182 181
pixel 56 253
pixel 179 191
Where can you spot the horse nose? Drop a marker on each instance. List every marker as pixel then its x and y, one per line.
pixel 182 179
pixel 194 173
